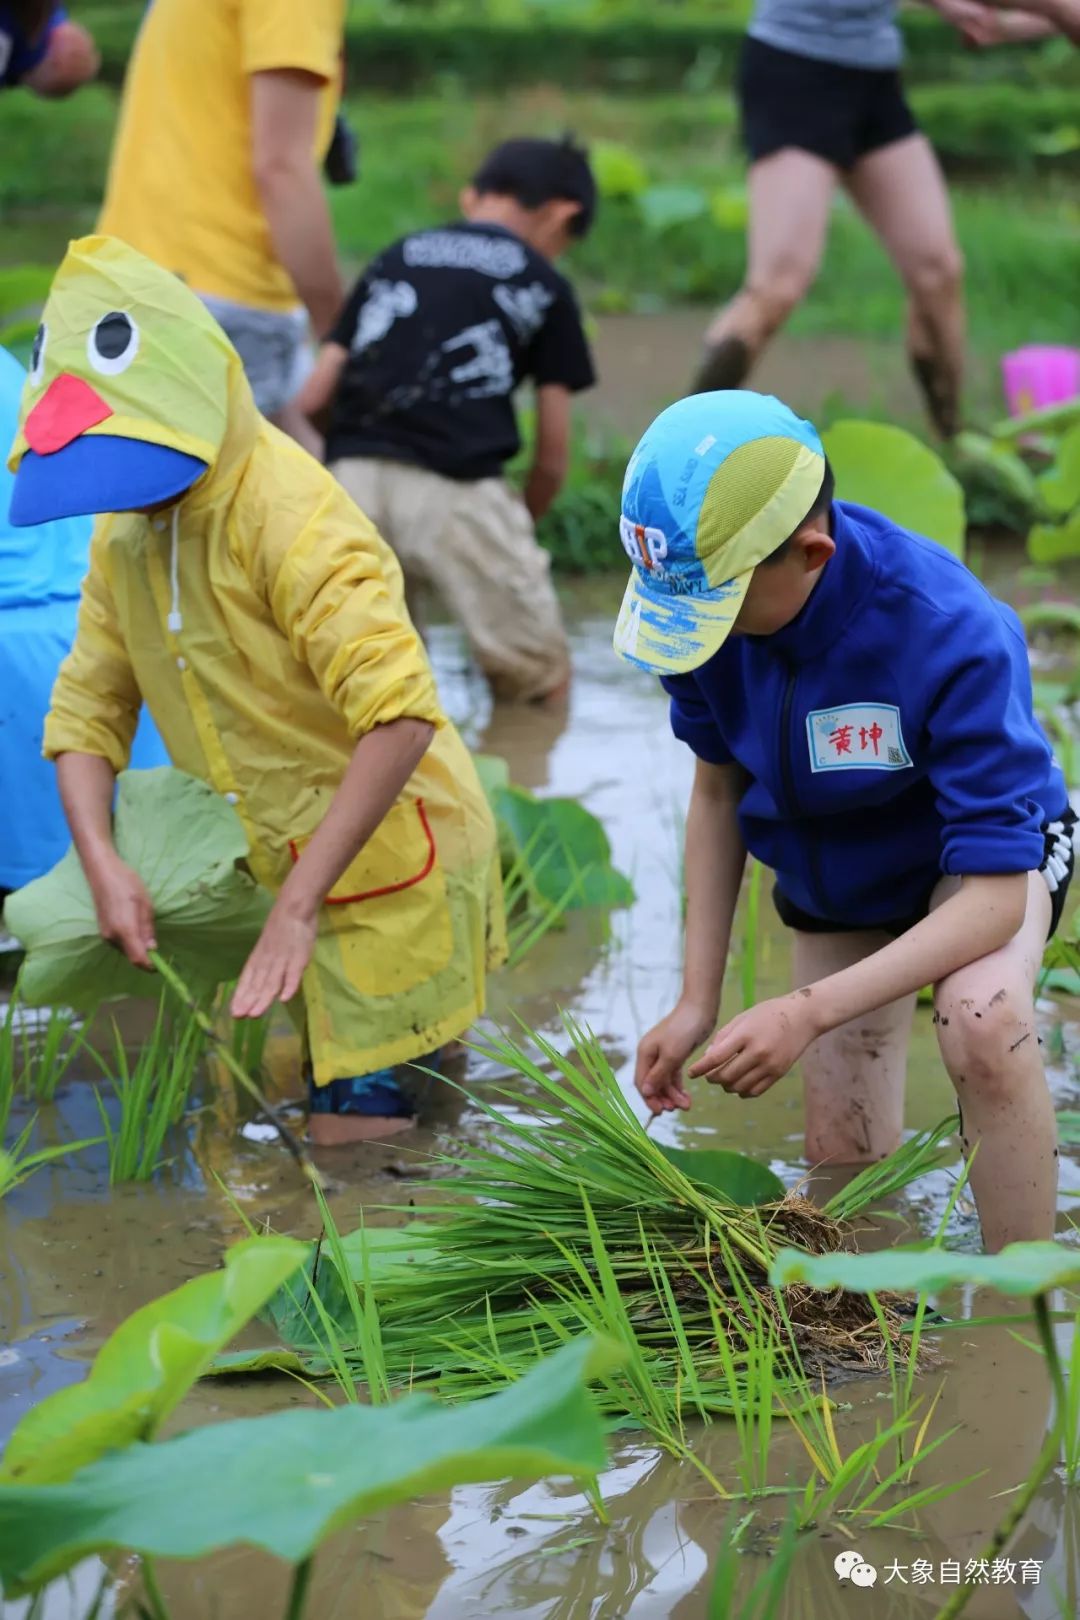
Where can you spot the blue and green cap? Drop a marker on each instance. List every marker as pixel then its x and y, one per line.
pixel 716 485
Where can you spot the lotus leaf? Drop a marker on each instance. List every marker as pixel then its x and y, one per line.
pixel 1050 543
pixel 665 206
pixel 1060 487
pixel 1023 1269
pixel 565 848
pixel 286 1481
pixel 145 1368
pixel 884 467
pixel 733 1175
pixel 618 169
pixel 189 848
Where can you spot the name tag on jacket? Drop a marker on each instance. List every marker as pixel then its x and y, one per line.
pixel 857 736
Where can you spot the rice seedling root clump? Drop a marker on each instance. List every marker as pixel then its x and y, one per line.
pixel 570 1219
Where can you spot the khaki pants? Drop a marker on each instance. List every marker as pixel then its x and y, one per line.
pixel 474 543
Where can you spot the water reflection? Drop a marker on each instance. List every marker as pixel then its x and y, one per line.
pixel 77 1258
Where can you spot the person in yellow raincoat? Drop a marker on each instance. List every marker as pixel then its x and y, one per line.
pixel 238 590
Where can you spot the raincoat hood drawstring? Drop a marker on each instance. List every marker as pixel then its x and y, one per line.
pixel 175 621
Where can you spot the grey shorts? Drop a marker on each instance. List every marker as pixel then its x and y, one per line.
pixel 272 344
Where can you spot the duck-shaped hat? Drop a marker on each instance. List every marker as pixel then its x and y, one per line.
pixel 126 401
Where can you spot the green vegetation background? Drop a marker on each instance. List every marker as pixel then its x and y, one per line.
pixel 433 84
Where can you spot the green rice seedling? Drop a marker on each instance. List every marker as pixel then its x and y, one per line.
pixel 765 1599
pixel 756 1382
pixel 748 962
pixel 902 1373
pixel 778 1384
pixel 152 1094
pixel 862 1483
pixel 304 1300
pixel 922 1153
pixel 16 1164
pixel 7 1066
pixel 530 915
pixel 1070 1451
pixel 192 1010
pixel 247 1038
pixel 1025 1270
pixel 35 1053
pixel 50 1052
pixel 573 1219
pixel 366 1334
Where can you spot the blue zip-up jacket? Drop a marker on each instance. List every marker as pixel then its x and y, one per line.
pixel 887 733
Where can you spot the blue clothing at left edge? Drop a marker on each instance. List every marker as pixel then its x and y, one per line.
pixel 41 571
pixel 887 732
pixel 18 56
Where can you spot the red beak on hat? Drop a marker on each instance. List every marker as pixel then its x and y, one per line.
pixel 66 409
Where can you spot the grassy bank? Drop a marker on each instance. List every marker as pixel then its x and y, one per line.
pixel 622 45
pixel 673 235
pixel 670 232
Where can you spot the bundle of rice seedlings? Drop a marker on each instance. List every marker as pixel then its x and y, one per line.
pixel 572 1219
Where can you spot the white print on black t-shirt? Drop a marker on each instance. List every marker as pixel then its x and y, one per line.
pixel 458 250
pixel 7 45
pixel 491 367
pixel 524 307
pixel 384 303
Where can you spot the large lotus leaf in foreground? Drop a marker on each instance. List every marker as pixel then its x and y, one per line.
pixel 286 1481
pixel 188 846
pixel 143 1371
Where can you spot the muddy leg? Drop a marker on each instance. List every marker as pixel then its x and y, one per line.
pixel 986 1031
pixel 790 194
pixel 901 191
pixel 853 1077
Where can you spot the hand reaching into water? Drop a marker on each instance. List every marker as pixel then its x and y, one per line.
pixel 664 1052
pixel 276 966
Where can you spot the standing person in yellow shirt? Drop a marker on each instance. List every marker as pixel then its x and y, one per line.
pixel 228 110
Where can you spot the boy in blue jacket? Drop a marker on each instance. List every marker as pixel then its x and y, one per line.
pixel 861 714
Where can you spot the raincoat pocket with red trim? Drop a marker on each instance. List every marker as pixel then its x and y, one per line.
pixel 387 916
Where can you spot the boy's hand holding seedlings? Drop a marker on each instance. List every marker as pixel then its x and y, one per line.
pixel 760 1046
pixel 860 712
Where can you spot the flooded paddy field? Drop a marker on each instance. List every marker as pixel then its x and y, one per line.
pixel 77 1257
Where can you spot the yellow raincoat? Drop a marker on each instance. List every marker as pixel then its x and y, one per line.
pixel 262 620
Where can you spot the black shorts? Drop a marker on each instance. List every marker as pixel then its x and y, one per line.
pixel 837 113
pixel 1059 857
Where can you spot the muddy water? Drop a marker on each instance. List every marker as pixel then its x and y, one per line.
pixel 645 361
pixel 77 1258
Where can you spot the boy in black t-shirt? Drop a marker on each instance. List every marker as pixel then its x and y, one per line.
pixel 418 379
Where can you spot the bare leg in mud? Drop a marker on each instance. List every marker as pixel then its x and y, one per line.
pixel 901 193
pixel 853 1077
pixel 986 1030
pixel 790 195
